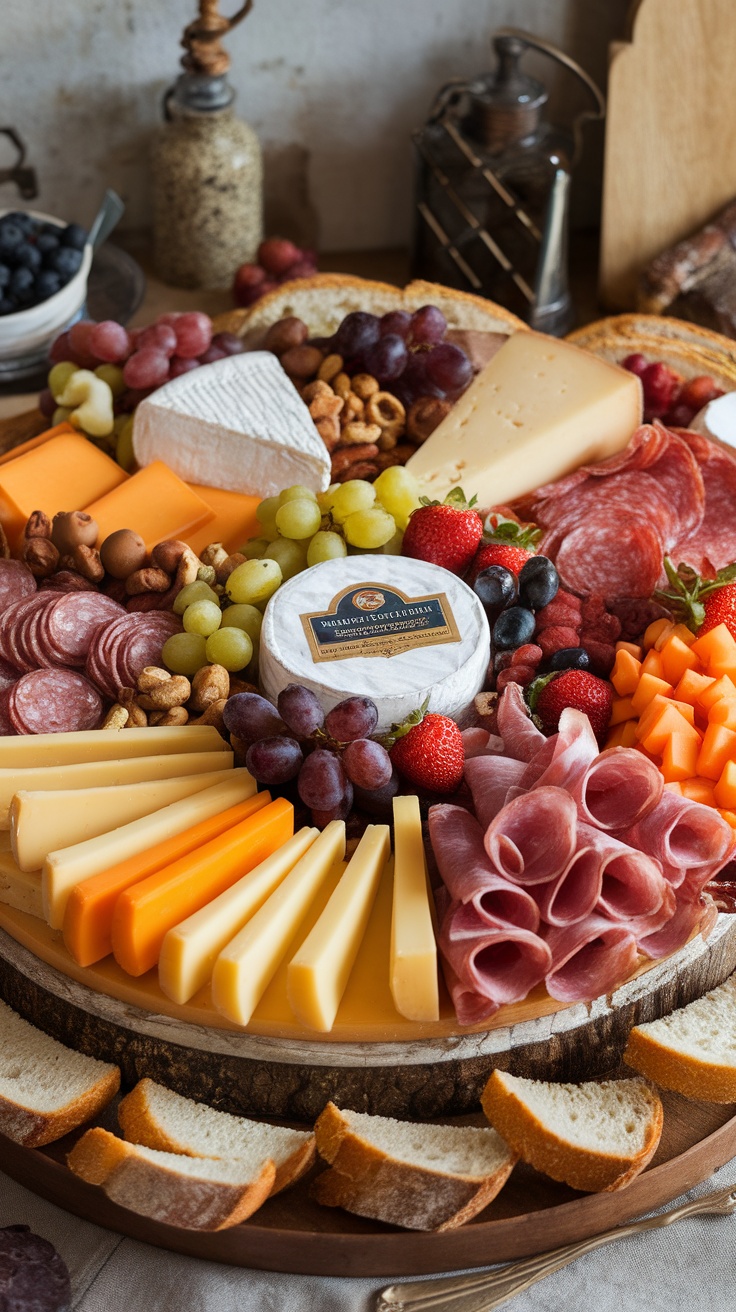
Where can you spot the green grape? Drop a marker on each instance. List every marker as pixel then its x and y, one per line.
pixel 254 548
pixel 325 546
pixel 124 453
pixel 230 647
pixel 369 529
pixel 290 555
pixel 326 499
pixel 398 491
pixel 197 591
pixel 266 513
pixel 297 492
pixel 243 617
pixel 111 374
pixel 184 653
pixel 61 415
pixel 59 377
pixel 254 582
pixel 299 519
pixel 393 546
pixel 202 617
pixel 351 497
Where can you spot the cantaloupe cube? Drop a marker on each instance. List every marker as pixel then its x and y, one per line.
pixel 680 757
pixel 728 816
pixel 621 710
pixel 632 648
pixel 668 722
pixel 675 658
pixel 664 637
pixel 717 650
pixel 622 735
pixel 655 631
pixel 722 689
pixel 685 634
pixel 626 673
pixel 652 664
pixel 691 685
pixel 674 788
pixel 725 790
pixel 723 712
pixel 648 717
pixel 647 688
pixel 719 746
pixel 699 790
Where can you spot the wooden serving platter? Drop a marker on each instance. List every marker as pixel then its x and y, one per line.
pixel 291 1233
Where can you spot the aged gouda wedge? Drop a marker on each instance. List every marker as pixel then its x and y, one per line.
pixel 318 974
pixel 20 888
pixel 245 967
pixel 105 774
pixel 190 949
pixel 36 750
pixel 234 519
pixel 155 503
pixel 414 983
pixel 538 410
pixel 65 473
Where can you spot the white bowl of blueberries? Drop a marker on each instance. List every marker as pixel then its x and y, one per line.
pixel 44 266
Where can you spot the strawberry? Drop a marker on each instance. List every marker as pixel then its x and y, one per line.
pixel 428 751
pixel 507 543
pixel 702 604
pixel 445 533
pixel 549 696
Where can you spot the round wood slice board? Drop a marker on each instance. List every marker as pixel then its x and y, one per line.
pixel 255 1074
pixel 292 1233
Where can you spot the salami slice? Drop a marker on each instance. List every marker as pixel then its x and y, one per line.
pixel 617 555
pixel 72 621
pixel 469 877
pixel 67 580
pixel 16 582
pixel 53 701
pixel 711 544
pixel 6 726
pixel 8 674
pixel 17 623
pixel 143 644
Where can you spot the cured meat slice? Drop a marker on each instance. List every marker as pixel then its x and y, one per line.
pixel 711 544
pixel 67 580
pixel 469 877
pixel 676 932
pixel 501 964
pixel 471 1008
pixel 532 839
pixel 632 882
pixel 143 645
pixel 619 555
pixel 489 779
pixel 18 628
pixel 8 674
pixel 589 958
pixel 16 582
pixel 53 701
pixel 71 622
pixel 572 895
pixel 619 788
pixel 6 726
pixel 515 725
pixel 475 742
pixel 683 836
pixel 565 756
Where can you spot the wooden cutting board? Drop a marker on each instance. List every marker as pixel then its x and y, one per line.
pixel 670 161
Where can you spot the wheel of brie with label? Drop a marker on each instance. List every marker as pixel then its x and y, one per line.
pixel 397 630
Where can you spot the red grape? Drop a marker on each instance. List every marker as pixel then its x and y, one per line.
pixel 697 392
pixel 449 367
pixel 661 385
pixel 81 351
pixel 170 319
pixel 274 760
pixel 636 363
pixel 386 359
pixel 110 342
pixel 158 337
pixel 367 764
pixel 125 404
pixel 250 717
pixel 230 343
pixel 427 325
pixel 300 710
pixel 356 333
pixel 322 782
pixel 178 366
pixel 277 255
pixel 378 801
pixel 146 368
pixel 396 321
pixel 247 284
pixel 340 812
pixel 302 269
pixel 680 416
pixel 355 717
pixel 46 403
pixel 193 334
pixel 60 349
pixel 211 355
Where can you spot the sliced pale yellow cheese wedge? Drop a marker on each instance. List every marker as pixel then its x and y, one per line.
pixel 414 982
pixel 189 951
pixel 318 974
pixel 68 866
pixel 105 774
pixel 245 967
pixel 20 888
pixel 30 751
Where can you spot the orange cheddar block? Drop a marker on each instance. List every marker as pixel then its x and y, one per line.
pixel 699 790
pixel 89 911
pixel 655 631
pixel 680 757
pixel 725 790
pixel 621 710
pixel 652 664
pixel 626 673
pixel 677 657
pixel 155 503
pixel 719 746
pixel 722 689
pixel 622 735
pixel 717 651
pixel 64 473
pixel 34 442
pixel 648 687
pixel 146 912
pixel 234 519
pixel 691 686
pixel 667 722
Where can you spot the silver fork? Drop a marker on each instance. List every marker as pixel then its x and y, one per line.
pixel 481 1293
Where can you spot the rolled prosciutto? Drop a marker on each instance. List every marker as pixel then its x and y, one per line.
pixel 489 779
pixel 533 838
pixel 520 734
pixel 618 789
pixel 688 914
pixel 501 964
pixel 563 758
pixel 471 1008
pixel 589 958
pixel 683 836
pixel 467 873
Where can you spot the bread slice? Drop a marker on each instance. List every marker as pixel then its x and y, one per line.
pixel 323 300
pixel 685 347
pixel 420 1177
pixel 656 326
pixel 159 1118
pixel 46 1090
pixel 595 1136
pixel 193 1193
pixel 693 1050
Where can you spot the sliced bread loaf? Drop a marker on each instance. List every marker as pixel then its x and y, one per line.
pixel 421 1177
pixel 594 1136
pixel 46 1090
pixel 693 1050
pixel 159 1118
pixel 194 1193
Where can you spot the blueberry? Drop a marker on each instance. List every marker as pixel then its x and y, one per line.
pixel 513 628
pixel 27 256
pixel 570 658
pixel 65 262
pixel 538 582
pixel 23 285
pixel 46 243
pixel 4 275
pixel 10 237
pixel 7 305
pixel 25 222
pixel 51 230
pixel 495 586
pixel 48 284
pixel 74 236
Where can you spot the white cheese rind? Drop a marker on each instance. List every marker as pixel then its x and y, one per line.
pixel 539 409
pixel 237 424
pixel 449 674
pixel 717 419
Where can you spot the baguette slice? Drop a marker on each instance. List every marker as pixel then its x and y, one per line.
pixel 693 1050
pixel 420 1177
pixel 46 1089
pixel 159 1118
pixel 594 1136
pixel 193 1193
pixel 685 347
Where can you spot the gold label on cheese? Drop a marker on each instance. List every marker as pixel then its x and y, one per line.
pixel 375 620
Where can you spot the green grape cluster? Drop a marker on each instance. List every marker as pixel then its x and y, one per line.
pixel 213 636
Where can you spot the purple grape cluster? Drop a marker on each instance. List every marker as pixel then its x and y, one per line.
pixel 332 757
pixel 406 352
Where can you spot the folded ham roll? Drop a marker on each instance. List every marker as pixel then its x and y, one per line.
pixel 683 836
pixel 533 838
pixel 467 873
pixel 502 964
pixel 489 779
pixel 618 789
pixel 520 734
pixel 589 958
pixel 562 759
pixel 678 928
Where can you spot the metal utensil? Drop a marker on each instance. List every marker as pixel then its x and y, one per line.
pixel 107 217
pixel 481 1293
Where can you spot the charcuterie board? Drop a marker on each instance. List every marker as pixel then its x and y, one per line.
pixel 291 1233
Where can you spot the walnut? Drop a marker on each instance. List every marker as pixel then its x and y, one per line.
pixel 86 561
pixel 424 416
pixel 41 556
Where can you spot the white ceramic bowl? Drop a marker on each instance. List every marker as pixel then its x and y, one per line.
pixel 30 332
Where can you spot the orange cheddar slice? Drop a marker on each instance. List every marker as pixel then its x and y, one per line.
pixel 89 911
pixel 621 710
pixel 155 503
pixel 648 687
pixel 680 757
pixel 626 673
pixel 691 686
pixel 34 442
pixel 677 657
pixel 146 912
pixel 64 473
pixel 699 790
pixel 234 519
pixel 717 650
pixel 719 746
